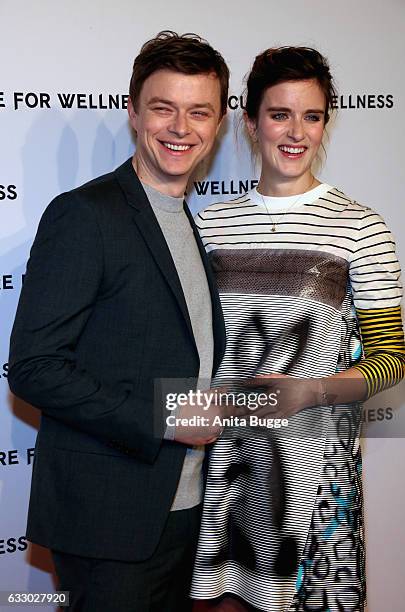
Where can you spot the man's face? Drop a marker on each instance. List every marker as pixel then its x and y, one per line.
pixel 176 122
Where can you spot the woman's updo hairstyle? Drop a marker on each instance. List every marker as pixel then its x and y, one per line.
pixel 281 64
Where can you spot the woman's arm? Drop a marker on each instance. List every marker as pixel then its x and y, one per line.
pixel 384 364
pixel 382 367
pixel 376 288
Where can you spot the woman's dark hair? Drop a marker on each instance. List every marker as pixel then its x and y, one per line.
pixel 186 53
pixel 281 64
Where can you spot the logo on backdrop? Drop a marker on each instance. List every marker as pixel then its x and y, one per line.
pixel 374 415
pixel 19 100
pixel 8 282
pixel 344 101
pixel 14 456
pixel 12 545
pixel 359 101
pixel 232 187
pixel 8 192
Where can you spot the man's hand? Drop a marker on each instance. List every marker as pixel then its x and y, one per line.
pixel 201 421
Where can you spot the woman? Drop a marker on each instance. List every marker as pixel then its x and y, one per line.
pixel 302 270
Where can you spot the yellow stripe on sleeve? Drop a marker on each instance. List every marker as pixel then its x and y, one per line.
pixel 384 348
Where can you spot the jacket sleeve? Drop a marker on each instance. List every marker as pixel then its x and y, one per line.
pixel 64 274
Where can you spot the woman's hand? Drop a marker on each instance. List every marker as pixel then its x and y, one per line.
pixel 295 394
pixel 292 394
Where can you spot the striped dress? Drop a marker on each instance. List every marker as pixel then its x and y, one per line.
pixel 282 524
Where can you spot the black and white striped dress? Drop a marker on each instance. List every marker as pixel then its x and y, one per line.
pixel 295 290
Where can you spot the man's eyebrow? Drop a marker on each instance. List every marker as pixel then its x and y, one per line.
pixel 204 105
pixel 156 99
pixel 161 100
pixel 288 110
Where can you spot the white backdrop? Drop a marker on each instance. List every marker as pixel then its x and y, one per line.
pixel 80 54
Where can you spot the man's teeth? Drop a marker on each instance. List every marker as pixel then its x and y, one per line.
pixel 174 147
pixel 292 149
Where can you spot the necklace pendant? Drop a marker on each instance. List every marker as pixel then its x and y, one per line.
pixel 273 229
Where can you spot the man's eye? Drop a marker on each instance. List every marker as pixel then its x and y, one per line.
pixel 200 114
pixel 161 109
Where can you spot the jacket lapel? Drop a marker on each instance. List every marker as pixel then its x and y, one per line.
pixel 149 227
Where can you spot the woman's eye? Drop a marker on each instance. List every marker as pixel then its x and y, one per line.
pixel 313 117
pixel 279 116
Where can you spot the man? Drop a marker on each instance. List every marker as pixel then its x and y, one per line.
pixel 117 295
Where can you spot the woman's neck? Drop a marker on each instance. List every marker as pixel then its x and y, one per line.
pixel 286 188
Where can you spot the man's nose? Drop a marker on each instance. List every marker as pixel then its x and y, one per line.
pixel 180 125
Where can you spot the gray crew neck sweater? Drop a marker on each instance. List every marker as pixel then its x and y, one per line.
pixel 180 239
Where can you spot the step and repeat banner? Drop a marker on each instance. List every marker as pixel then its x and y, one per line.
pixel 64 74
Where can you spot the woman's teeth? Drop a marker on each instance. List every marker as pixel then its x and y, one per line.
pixel 292 150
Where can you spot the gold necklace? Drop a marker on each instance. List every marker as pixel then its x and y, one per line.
pixel 276 220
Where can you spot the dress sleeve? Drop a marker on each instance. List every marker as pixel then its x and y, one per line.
pixel 384 349
pixel 377 291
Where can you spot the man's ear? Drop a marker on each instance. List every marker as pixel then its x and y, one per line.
pixel 251 126
pixel 132 114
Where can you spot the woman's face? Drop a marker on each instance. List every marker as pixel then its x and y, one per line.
pixel 289 129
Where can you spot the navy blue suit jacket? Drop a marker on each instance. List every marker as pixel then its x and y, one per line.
pixel 101 316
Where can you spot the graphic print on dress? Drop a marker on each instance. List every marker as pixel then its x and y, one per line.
pixel 296 333
pixel 332 573
pixel 238 548
pixel 286 561
pixel 317 275
pixel 339 226
pixel 298 302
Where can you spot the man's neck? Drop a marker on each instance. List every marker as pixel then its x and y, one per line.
pixel 175 187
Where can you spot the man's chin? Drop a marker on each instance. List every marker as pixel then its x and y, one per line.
pixel 178 173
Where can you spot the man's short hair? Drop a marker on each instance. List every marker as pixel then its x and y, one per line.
pixel 186 53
